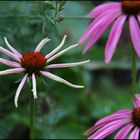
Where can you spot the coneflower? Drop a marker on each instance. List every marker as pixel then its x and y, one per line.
pixel 126 122
pixel 117 13
pixel 35 63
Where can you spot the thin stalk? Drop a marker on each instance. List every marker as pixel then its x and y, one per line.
pixel 134 72
pixel 77 17
pixel 56 9
pixel 32 116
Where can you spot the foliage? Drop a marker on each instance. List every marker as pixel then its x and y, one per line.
pixel 61 112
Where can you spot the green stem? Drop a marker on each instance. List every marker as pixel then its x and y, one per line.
pixel 134 72
pixel 77 17
pixel 56 9
pixel 32 115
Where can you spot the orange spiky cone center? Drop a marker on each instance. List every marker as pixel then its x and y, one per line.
pixel 33 62
pixel 131 6
pixel 136 116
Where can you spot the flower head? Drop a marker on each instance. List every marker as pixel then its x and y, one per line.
pixel 116 13
pixel 128 121
pixel 35 63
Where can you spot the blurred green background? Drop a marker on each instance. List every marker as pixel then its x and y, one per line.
pixel 61 112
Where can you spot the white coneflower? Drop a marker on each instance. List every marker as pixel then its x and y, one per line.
pixel 35 63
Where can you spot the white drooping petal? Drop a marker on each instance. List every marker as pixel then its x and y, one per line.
pixel 10 54
pixel 12 49
pixel 12 71
pixel 9 63
pixel 58 79
pixel 34 86
pixel 57 48
pixel 19 89
pixel 61 52
pixel 64 65
pixel 41 44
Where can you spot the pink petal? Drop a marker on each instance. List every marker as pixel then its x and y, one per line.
pixel 104 7
pixel 57 48
pixel 138 18
pixel 12 71
pixel 64 65
pixel 59 79
pixel 94 38
pixel 122 114
pixel 60 53
pixel 96 35
pixel 10 54
pixel 99 22
pixel 19 89
pixel 108 129
pixel 136 103
pixel 34 89
pixel 41 44
pixel 124 132
pixel 114 38
pixel 135 134
pixel 135 34
pixel 12 49
pixel 9 63
pixel 136 100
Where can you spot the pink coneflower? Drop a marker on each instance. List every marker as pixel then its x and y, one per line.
pixel 128 121
pixel 34 64
pixel 117 12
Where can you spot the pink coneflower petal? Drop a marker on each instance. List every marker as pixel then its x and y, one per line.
pixel 135 134
pixel 93 39
pixel 99 22
pixel 57 48
pixel 12 49
pixel 34 90
pixel 108 129
pixel 125 111
pixel 114 38
pixel 19 89
pixel 9 63
pixel 138 18
pixel 136 104
pixel 104 7
pixel 118 115
pixel 66 65
pixel 135 33
pixel 12 71
pixel 92 24
pixel 10 54
pixel 58 79
pixel 41 44
pixel 104 14
pixel 99 126
pixel 61 52
pixel 97 34
pixel 122 134
pixel 136 100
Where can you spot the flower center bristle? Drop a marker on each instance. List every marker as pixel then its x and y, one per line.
pixel 131 6
pixel 33 62
pixel 136 117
